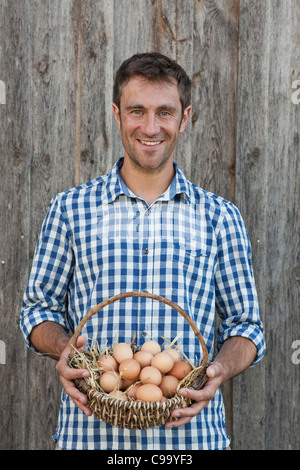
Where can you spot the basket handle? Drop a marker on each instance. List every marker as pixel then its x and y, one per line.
pixel 148 295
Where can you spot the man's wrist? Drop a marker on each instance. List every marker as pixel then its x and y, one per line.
pixel 235 356
pixel 49 338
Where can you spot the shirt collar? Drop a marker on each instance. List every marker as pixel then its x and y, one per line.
pixel 115 186
pixel 180 184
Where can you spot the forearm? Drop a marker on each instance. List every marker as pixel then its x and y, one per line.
pixel 236 355
pixel 49 338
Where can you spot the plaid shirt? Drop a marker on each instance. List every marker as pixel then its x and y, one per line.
pixel 189 246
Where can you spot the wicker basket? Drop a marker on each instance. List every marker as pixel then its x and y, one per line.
pixel 138 414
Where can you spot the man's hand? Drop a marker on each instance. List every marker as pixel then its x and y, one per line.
pixel 201 397
pixel 235 356
pixel 68 374
pixel 51 339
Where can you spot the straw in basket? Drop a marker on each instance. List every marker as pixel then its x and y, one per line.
pixel 136 413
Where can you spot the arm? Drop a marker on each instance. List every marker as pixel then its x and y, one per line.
pixel 50 338
pixel 240 334
pixel 43 311
pixel 235 356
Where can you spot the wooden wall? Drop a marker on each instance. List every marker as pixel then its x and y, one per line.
pixel 57 59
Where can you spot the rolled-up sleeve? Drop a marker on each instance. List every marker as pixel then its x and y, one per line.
pixel 45 294
pixel 236 295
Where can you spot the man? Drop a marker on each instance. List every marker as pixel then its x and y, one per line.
pixel 145 227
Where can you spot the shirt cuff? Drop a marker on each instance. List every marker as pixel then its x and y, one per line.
pixel 30 319
pixel 247 330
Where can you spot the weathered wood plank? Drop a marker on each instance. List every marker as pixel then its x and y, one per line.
pixel 96 88
pixel 251 174
pixel 283 229
pixel 15 151
pixel 214 100
pixel 54 63
pixel 214 110
pixel 175 19
pixel 268 193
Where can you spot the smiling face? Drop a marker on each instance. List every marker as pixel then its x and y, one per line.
pixel 150 119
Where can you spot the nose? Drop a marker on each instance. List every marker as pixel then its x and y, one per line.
pixel 150 125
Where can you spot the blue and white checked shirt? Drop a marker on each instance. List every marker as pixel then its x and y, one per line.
pixel 189 246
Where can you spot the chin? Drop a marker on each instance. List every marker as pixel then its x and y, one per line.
pixel 150 163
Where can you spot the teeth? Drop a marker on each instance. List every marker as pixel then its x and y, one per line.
pixel 149 143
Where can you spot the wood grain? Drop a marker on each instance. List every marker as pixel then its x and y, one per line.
pixel 15 154
pixel 57 60
pixel 53 168
pixel 268 196
pixel 97 82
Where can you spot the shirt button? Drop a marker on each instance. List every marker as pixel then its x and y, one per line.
pixel 144 334
pixel 146 251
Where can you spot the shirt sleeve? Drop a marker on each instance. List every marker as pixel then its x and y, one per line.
pixel 52 267
pixel 236 295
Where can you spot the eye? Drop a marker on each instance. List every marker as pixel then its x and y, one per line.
pixel 136 112
pixel 165 113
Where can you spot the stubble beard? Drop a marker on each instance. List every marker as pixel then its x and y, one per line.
pixel 137 161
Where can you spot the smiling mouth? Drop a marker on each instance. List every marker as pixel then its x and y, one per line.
pixel 150 143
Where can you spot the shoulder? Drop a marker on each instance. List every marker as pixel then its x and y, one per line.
pixel 81 194
pixel 214 205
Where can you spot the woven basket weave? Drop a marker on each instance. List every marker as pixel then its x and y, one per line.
pixel 138 414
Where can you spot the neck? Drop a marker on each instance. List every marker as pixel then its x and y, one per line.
pixel 147 184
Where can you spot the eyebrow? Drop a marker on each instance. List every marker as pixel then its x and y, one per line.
pixel 166 107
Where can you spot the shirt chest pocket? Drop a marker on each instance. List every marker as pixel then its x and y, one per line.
pixel 190 256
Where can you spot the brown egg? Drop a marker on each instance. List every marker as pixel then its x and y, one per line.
pixel 174 354
pixel 118 394
pixel 143 357
pixel 126 383
pixel 129 369
pixel 150 375
pixel 131 391
pixel 180 369
pixel 169 385
pixel 122 351
pixel 163 362
pixel 109 381
pixel 107 362
pixel 149 392
pixel 151 346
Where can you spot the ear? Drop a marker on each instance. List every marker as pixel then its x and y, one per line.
pixel 185 118
pixel 116 112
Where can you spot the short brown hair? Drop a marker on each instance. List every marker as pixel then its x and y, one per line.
pixel 153 66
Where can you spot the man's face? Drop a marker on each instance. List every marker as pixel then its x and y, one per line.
pixel 150 120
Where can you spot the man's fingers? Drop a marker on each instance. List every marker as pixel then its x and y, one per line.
pixel 207 393
pixel 81 340
pixel 83 408
pixel 68 374
pixel 78 398
pixel 201 397
pixel 63 364
pixel 184 415
pixel 72 390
